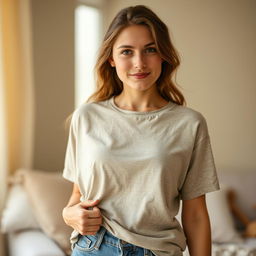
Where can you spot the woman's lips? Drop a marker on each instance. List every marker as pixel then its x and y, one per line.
pixel 140 75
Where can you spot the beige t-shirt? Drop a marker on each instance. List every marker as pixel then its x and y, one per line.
pixel 140 165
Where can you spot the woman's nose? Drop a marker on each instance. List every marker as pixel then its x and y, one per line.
pixel 139 61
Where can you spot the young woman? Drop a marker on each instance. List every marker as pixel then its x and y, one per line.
pixel 135 151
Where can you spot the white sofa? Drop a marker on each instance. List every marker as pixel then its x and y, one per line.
pixel 32 218
pixel 227 239
pixel 27 235
pixel 227 229
pixel 32 243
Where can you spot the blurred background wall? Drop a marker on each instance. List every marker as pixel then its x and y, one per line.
pixel 216 41
pixel 53 62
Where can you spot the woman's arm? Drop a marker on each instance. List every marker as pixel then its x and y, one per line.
pixel 84 217
pixel 196 225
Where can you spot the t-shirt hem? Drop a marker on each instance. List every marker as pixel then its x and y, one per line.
pixel 199 193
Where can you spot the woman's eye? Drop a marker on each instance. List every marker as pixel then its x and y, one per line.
pixel 126 52
pixel 151 50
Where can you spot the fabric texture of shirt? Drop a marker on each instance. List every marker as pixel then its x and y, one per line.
pixel 140 165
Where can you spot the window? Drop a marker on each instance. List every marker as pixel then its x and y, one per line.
pixel 87 37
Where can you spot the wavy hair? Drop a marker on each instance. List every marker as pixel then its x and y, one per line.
pixel 107 82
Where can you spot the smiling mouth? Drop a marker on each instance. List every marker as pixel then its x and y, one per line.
pixel 140 75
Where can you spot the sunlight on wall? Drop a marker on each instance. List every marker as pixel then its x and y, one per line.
pixel 87 27
pixel 3 146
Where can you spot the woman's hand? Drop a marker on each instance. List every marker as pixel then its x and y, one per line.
pixel 85 217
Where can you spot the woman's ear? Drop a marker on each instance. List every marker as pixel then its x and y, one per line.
pixel 111 62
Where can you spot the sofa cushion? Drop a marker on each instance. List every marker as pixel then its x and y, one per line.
pixel 28 243
pixel 243 183
pixel 49 193
pixel 17 213
pixel 222 224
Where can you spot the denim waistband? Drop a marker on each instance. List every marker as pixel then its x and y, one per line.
pixel 114 241
pixel 111 239
pixel 105 243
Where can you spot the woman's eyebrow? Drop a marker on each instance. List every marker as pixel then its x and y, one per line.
pixel 130 46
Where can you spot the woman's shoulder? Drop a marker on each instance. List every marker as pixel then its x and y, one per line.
pixel 85 113
pixel 88 108
pixel 188 113
pixel 191 119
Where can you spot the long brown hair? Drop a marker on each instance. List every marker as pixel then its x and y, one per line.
pixel 107 82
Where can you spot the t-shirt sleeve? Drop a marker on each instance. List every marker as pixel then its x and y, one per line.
pixel 201 176
pixel 70 166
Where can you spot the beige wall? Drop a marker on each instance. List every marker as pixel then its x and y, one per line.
pixel 53 50
pixel 54 78
pixel 216 41
pixel 217 44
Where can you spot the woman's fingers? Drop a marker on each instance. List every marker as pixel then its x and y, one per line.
pixel 94 213
pixel 84 217
pixel 92 228
pixel 89 230
pixel 94 221
pixel 89 203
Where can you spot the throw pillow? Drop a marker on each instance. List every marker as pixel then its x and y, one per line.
pixel 17 214
pixel 222 224
pixel 49 193
pixel 32 243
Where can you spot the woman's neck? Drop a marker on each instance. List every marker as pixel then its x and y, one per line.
pixel 139 101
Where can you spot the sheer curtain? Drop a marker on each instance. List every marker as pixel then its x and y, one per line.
pixel 16 91
pixel 3 144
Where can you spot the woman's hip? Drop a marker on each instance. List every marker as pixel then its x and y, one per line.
pixel 105 244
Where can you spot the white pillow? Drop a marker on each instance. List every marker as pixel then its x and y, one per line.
pixel 49 193
pixel 17 214
pixel 33 243
pixel 222 224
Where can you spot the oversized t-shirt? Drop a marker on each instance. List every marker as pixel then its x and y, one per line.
pixel 140 165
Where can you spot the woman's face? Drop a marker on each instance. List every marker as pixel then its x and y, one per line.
pixel 135 57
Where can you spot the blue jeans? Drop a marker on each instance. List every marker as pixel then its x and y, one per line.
pixel 105 244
